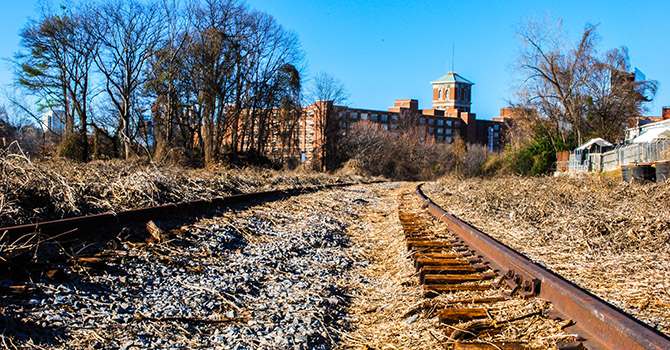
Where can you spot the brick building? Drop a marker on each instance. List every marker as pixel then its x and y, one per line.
pixel 449 117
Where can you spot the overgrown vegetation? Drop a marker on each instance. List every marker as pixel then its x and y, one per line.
pixel 37 191
pixel 609 236
pixel 408 153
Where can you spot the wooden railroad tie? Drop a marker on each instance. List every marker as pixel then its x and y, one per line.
pixel 456 279
pixel 491 346
pixel 454 316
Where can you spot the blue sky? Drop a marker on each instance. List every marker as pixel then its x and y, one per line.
pixel 387 50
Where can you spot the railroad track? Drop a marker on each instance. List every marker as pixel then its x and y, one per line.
pixel 489 282
pixel 486 295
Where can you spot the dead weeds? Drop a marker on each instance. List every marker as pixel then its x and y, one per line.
pixel 610 237
pixel 33 191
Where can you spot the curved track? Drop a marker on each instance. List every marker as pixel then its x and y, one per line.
pixel 462 260
pixel 599 324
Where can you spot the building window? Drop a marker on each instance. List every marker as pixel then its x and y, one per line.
pixel 496 127
pixel 353 115
pixel 449 123
pixel 440 131
pixel 431 130
pixel 448 132
pixel 373 117
pixel 496 135
pixel 385 118
pixel 457 123
pixel 342 114
pixel 394 127
pixel 439 94
pixel 440 122
pixel 422 121
pixel 394 117
pixel 364 116
pixel 385 127
pixel 440 138
pixel 343 124
pixel 448 139
pixel 431 121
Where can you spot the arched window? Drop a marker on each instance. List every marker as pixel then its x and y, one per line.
pixel 439 94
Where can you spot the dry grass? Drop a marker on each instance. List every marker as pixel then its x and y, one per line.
pixel 389 289
pixel 38 191
pixel 390 311
pixel 610 237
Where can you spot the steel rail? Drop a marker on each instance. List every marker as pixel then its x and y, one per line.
pixel 12 233
pixel 603 325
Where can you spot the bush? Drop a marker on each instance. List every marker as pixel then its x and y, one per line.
pixel 535 159
pixel 408 155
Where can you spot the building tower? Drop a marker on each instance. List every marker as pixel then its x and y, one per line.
pixel 452 93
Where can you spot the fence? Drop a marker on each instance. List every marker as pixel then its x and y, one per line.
pixel 621 155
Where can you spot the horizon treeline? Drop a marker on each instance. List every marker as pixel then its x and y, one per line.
pixel 211 77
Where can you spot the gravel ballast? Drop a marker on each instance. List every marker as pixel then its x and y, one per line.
pixel 275 275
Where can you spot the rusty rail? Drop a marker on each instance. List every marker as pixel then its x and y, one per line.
pixel 87 222
pixel 604 326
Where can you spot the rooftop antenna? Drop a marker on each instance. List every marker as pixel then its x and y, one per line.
pixel 453 41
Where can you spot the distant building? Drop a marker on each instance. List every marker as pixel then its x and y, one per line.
pixel 54 121
pixel 650 131
pixel 450 117
pixel 643 120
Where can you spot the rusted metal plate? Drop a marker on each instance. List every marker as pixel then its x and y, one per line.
pixel 604 326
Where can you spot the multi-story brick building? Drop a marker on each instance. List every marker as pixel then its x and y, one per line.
pixel 449 118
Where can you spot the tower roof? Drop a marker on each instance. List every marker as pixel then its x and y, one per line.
pixel 452 77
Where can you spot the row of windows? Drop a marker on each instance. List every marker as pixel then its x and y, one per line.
pixel 444 138
pixel 441 122
pixel 369 116
pixel 343 125
pixel 440 131
pixel 462 94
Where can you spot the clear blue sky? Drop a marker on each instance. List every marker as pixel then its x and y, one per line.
pixel 387 50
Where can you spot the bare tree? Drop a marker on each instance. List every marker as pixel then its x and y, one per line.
pixel 567 86
pixel 169 83
pixel 614 96
pixel 326 93
pixel 213 50
pixel 129 32
pixel 56 68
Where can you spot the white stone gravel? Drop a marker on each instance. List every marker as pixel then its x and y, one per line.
pixel 267 277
